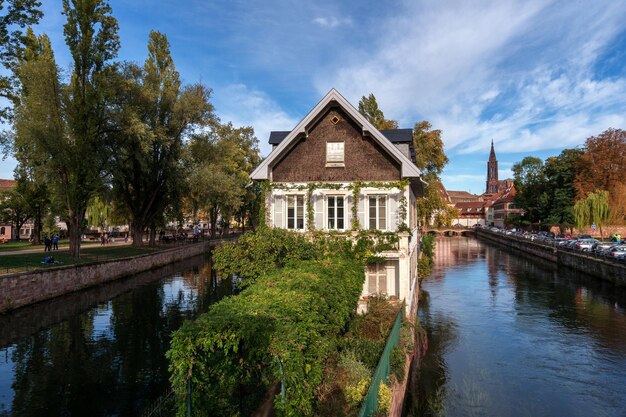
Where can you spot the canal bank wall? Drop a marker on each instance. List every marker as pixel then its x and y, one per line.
pixel 25 288
pixel 605 269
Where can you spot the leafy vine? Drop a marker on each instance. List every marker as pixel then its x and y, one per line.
pixel 355 187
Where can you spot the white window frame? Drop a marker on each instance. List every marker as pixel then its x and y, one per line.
pixel 335 157
pixel 327 218
pixel 291 197
pixel 378 197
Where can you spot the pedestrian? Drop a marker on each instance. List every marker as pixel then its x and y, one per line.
pixel 47 243
pixel 125 237
pixel 55 242
pixel 102 239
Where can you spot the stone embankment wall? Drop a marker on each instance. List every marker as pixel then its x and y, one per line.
pixel 598 267
pixel 24 288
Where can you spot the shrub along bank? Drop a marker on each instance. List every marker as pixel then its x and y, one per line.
pixel 425 262
pixel 294 322
pixel 283 327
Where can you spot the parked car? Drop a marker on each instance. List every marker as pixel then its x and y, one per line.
pixel 585 245
pixel 618 251
pixel 600 247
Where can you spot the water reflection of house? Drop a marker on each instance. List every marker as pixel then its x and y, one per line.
pixel 334 148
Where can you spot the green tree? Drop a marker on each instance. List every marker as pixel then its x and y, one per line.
pixel 220 166
pixel 594 209
pixel 99 212
pixel 34 191
pixel 156 113
pixel 38 124
pixel 15 15
pixel 61 129
pixel 368 107
pixel 91 35
pixel 430 158
pixel 14 209
pixel 530 182
pixel 559 193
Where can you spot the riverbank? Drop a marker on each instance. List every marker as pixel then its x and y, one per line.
pixel 511 336
pixel 25 288
pixel 605 269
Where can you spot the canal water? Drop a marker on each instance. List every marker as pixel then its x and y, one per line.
pixel 513 336
pixel 101 352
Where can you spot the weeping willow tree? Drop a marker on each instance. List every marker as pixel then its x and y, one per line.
pixel 594 209
pixel 98 213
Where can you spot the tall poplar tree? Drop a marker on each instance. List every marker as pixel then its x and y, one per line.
pixel 15 16
pixel 38 124
pixel 156 113
pixel 61 129
pixel 91 35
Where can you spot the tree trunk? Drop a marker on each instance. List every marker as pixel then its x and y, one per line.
pixel 74 231
pixel 37 228
pixel 153 236
pixel 137 233
pixel 213 219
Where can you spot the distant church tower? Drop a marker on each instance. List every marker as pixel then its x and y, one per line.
pixel 492 172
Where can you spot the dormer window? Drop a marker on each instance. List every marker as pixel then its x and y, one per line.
pixel 335 154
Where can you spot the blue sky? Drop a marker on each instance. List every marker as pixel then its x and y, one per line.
pixel 536 76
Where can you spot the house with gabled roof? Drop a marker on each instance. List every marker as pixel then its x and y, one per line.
pixel 335 172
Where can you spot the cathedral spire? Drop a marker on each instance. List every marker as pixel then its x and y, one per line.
pixel 492 155
pixel 492 172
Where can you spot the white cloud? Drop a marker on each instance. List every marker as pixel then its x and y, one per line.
pixel 243 106
pixel 515 71
pixel 332 21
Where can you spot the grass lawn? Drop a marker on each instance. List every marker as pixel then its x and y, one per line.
pixel 25 262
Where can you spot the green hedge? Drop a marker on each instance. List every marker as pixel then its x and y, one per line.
pixel 257 254
pixel 290 318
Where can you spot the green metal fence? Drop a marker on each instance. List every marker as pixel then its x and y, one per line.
pixel 370 403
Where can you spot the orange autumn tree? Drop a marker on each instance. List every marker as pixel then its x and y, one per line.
pixel 601 167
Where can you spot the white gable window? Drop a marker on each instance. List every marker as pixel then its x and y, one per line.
pixel 295 212
pixel 335 212
pixel 334 154
pixel 377 212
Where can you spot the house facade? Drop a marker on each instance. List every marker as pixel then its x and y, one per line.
pixel 471 213
pixel 335 172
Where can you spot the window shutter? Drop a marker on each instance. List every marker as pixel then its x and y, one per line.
pixel 393 219
pixel 278 211
pixel 361 211
pixel 318 209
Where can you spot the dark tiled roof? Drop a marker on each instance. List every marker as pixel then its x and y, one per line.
pixel 394 136
pixel 277 136
pixel 398 135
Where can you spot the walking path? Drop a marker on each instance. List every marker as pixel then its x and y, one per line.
pixel 63 248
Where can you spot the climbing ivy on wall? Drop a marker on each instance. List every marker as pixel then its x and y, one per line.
pixel 356 188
